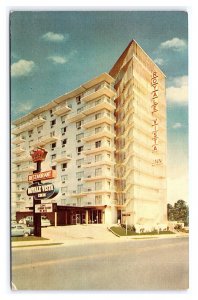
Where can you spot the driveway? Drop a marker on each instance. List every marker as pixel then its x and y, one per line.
pixel 93 232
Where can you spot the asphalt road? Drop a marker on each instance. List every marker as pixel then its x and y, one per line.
pixel 130 265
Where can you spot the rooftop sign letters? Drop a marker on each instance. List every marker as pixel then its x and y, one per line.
pixel 155 120
pixel 42 175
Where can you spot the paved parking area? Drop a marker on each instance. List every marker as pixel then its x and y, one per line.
pixel 90 232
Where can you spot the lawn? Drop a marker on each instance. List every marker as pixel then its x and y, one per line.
pixel 27 238
pixel 120 231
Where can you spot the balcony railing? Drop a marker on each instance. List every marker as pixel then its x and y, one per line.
pixel 91 149
pixel 96 120
pixel 103 103
pixel 18 150
pixel 98 175
pixel 62 157
pixel 98 133
pixel 22 159
pixel 104 89
pixel 28 125
pixel 18 140
pixel 60 110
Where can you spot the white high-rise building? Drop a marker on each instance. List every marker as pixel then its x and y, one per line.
pixel 106 140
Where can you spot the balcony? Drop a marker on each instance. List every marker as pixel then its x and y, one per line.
pixel 18 140
pixel 19 191
pixel 104 103
pixel 75 193
pixel 103 175
pixel 44 140
pixel 22 159
pixel 94 163
pixel 18 150
pixel 97 134
pixel 103 190
pixel 62 158
pixel 76 116
pixel 97 120
pixel 61 110
pixel 20 180
pixel 28 125
pixel 104 147
pixel 104 90
pixel 23 170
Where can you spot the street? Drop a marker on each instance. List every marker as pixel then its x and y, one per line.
pixel 155 264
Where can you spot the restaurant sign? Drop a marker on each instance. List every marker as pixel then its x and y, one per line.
pixel 42 190
pixel 42 175
pixel 43 208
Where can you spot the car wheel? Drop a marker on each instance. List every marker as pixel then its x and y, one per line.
pixel 26 234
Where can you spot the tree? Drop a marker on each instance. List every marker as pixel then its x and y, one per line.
pixel 179 212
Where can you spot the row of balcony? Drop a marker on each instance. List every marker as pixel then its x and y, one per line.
pixel 103 146
pixel 104 89
pixel 37 121
pixel 93 107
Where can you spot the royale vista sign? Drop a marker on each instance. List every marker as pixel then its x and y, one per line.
pixel 42 191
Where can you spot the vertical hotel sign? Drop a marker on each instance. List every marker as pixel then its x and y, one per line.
pixel 155 120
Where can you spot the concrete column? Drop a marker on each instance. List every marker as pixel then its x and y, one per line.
pixel 86 217
pixel 55 218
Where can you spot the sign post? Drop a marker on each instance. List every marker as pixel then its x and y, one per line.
pixel 126 215
pixel 40 190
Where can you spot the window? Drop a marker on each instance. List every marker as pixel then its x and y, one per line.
pixel 30 132
pixel 79 162
pixel 63 130
pixel 98 172
pixel 64 190
pixel 98 157
pixel 79 175
pixel 78 99
pixel 78 124
pixel 64 166
pixel 53 167
pixel 53 122
pixel 51 112
pixel 79 150
pixel 98 185
pixel 53 156
pixel 53 145
pixel 39 129
pixel 64 142
pixel 63 118
pixel 98 144
pixel 64 178
pixel 79 188
pixel 97 116
pixel 52 133
pixel 98 129
pixel 98 199
pixel 79 137
pixel 109 184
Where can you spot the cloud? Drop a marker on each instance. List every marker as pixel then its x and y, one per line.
pixel 55 37
pixel 22 68
pixel 23 107
pixel 177 125
pixel 58 59
pixel 62 59
pixel 175 44
pixel 159 61
pixel 178 91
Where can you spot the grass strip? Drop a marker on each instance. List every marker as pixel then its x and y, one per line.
pixel 51 244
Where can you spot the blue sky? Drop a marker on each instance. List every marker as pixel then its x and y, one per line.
pixel 54 52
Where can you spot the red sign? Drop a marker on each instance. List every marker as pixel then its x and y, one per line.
pixel 42 175
pixel 38 154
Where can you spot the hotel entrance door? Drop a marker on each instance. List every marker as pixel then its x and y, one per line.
pixel 95 216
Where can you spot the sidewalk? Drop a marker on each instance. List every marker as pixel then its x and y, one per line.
pixel 81 234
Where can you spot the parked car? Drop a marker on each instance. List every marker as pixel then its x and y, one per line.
pixel 19 230
pixel 45 222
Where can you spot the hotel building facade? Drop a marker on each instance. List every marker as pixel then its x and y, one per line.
pixel 107 142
